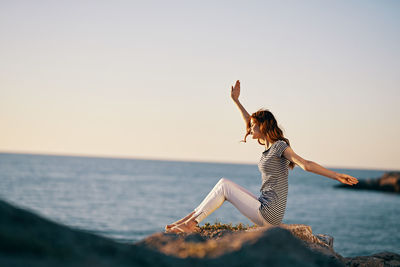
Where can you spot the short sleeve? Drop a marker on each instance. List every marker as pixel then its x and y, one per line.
pixel 280 147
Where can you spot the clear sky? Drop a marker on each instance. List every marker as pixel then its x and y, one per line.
pixel 151 79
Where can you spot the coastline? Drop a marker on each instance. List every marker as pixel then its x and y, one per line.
pixel 388 182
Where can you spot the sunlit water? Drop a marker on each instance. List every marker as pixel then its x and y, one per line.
pixel 128 199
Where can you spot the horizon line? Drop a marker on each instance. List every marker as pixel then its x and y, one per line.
pixel 166 159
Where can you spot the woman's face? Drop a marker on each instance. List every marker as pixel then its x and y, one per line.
pixel 255 130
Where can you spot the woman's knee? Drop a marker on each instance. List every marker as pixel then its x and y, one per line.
pixel 223 180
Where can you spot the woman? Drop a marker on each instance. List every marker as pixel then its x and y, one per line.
pixel 268 209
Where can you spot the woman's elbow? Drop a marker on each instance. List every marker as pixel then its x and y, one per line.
pixel 307 165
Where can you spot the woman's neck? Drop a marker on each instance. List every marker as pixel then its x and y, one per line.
pixel 267 143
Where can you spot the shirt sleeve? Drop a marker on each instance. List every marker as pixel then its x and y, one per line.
pixel 280 147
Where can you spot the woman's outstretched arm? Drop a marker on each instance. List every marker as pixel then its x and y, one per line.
pixel 235 92
pixel 314 167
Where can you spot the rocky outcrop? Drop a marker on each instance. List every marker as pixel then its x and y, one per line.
pixel 389 182
pixel 27 239
pixel 275 245
pixel 388 259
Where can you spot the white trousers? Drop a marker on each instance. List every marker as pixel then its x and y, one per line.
pixel 246 202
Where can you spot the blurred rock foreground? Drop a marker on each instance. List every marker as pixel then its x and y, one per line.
pixel 27 239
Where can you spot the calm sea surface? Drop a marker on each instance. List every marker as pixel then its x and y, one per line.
pixel 128 199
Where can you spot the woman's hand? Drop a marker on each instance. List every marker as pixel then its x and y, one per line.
pixel 235 92
pixel 346 179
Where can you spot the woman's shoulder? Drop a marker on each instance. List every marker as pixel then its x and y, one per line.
pixel 280 142
pixel 280 146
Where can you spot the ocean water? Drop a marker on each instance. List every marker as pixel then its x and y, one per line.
pixel 129 199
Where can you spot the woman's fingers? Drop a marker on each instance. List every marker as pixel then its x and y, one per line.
pixel 348 182
pixel 347 179
pixel 237 85
pixel 351 182
pixel 352 179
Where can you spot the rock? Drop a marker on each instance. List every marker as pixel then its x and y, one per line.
pixel 27 239
pixel 204 246
pixel 262 246
pixel 389 182
pixel 379 259
pixel 326 239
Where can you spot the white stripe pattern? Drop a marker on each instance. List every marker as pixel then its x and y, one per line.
pixel 274 170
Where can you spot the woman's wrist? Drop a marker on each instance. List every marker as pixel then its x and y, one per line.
pixel 336 176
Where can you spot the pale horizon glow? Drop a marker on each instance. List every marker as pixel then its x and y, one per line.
pixel 151 80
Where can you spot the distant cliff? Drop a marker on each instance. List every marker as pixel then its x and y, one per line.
pixel 389 182
pixel 27 239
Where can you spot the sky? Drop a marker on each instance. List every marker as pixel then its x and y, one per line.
pixel 152 79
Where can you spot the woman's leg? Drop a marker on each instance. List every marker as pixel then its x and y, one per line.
pixel 246 202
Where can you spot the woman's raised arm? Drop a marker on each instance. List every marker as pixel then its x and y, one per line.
pixel 314 167
pixel 235 92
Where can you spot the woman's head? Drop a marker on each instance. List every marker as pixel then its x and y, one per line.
pixel 263 126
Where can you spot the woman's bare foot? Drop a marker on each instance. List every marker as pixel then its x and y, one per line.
pixel 169 226
pixel 189 226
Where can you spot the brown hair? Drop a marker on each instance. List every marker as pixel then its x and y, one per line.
pixel 268 126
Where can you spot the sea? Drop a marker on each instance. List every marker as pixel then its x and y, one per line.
pixel 130 199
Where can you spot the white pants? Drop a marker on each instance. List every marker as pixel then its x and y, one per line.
pixel 246 202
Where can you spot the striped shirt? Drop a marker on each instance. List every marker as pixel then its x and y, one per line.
pixel 274 170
